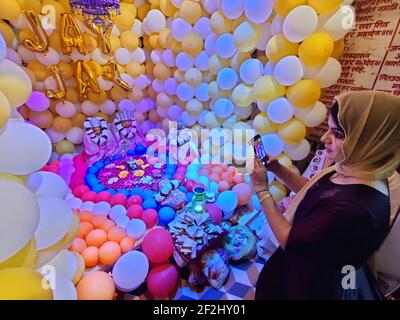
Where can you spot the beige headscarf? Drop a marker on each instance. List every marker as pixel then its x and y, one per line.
pixel 371 149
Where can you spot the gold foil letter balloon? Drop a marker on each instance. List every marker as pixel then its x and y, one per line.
pixel 102 29
pixel 85 78
pixel 70 35
pixel 41 45
pixel 61 88
pixel 111 73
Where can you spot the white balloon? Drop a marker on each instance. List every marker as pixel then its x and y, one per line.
pixel 188 119
pixel 265 36
pixel 66 109
pixel 155 20
pixel 136 228
pixel 224 45
pixel 24 148
pixel 184 62
pixel 258 11
pixel 55 221
pixel 273 144
pixel 65 289
pixel 50 58
pixel 137 28
pixel 289 70
pixel 108 107
pixel 138 55
pixel 326 75
pixel 300 23
pixel 170 86
pixel 280 110
pixel 276 25
pixel 201 61
pixel 269 68
pixel 298 151
pixel 156 56
pixel 54 135
pixel 102 208
pixel 19 214
pixel 243 112
pixel 209 44
pixel 227 78
pixel 314 116
pixel 251 70
pixel 65 263
pixel 126 280
pixel 169 58
pixel 104 84
pixel 201 92
pixel 338 24
pixel 223 107
pixel 43 183
pixel 89 108
pixel 232 9
pixel 12 55
pixel 3 49
pixel 203 27
pixel 142 82
pixel 75 135
pixel 180 28
pixel 98 56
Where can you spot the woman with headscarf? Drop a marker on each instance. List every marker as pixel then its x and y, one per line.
pixel 341 216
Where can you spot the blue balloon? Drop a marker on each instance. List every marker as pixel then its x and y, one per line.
pixel 131 152
pixel 191 175
pixel 189 196
pixel 93 170
pixel 136 191
pixel 99 164
pixel 98 188
pixel 107 161
pixel 149 204
pixel 147 194
pixel 125 192
pixel 214 187
pixel 90 176
pixel 112 191
pixel 140 149
pixel 227 201
pixel 166 215
pixel 183 189
pixel 168 176
pixel 116 157
pixel 92 182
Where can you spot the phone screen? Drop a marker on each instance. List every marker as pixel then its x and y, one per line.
pixel 259 149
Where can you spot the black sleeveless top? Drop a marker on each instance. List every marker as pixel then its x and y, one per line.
pixel 334 226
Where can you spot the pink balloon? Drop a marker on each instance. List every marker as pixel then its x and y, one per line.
pixel 118 198
pixel 89 196
pixel 80 190
pixel 189 185
pixel 223 186
pixel 158 245
pixel 135 211
pixel 179 177
pixel 214 177
pixel 243 192
pixel 162 280
pixel 135 200
pixel 215 213
pixel 104 196
pixel 226 176
pixel 150 217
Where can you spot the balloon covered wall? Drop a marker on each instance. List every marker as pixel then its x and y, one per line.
pixel 258 64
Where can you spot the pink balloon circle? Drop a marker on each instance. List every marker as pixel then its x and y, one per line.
pixel 80 190
pixel 89 196
pixel 118 199
pixel 243 192
pixel 135 211
pixel 135 200
pixel 158 245
pixel 150 218
pixel 162 280
pixel 104 196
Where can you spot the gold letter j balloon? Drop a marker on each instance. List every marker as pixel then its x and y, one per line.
pixel 42 43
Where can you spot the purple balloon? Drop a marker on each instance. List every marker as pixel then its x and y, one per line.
pixel 38 101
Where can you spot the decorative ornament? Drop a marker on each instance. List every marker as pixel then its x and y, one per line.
pixel 42 43
pixel 61 87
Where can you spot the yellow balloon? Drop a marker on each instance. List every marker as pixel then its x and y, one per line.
pixel 24 284
pixel 142 11
pixel 5 110
pixel 316 49
pixel 165 38
pixel 9 10
pixel 190 11
pixel 293 131
pixel 194 107
pixel 325 6
pixel 193 76
pixel 62 124
pixel 167 8
pixel 42 119
pixel 90 42
pixel 80 269
pixel 7 33
pixel 55 41
pixel 283 7
pixel 25 258
pixel 192 44
pixel 263 125
pixel 14 83
pixel 7 176
pixel 241 95
pixel 134 69
pixel 65 146
pixel 338 49
pixel 220 24
pixel 34 5
pixel 67 69
pixel 39 70
pixel 97 97
pixel 245 37
pixel 279 47
pixel 304 93
pixel 129 40
pixel 266 89
pixel 125 20
pixel 115 43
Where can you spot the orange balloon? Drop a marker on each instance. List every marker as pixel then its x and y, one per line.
pixel 96 238
pixel 91 256
pixel 97 221
pixel 78 245
pixel 107 225
pixel 96 286
pixel 109 252
pixel 227 176
pixel 214 177
pixel 85 216
pixel 62 124
pixel 116 234
pixel 127 244
pixel 223 185
pixel 84 229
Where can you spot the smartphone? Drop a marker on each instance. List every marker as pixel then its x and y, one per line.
pixel 259 150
